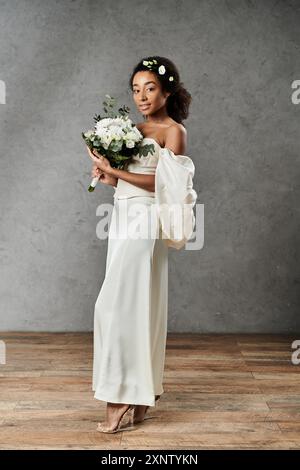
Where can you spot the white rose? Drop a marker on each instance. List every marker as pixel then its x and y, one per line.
pixel 100 132
pixel 161 69
pixel 130 135
pixel 130 144
pixel 104 122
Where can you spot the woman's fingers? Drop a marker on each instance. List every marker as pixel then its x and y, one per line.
pixel 96 171
pixel 97 154
pixel 91 154
pixel 89 151
pixel 100 161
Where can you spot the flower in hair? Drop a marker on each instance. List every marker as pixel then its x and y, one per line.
pixel 153 65
pixel 161 70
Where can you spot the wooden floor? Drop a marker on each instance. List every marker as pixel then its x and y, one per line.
pixel 221 392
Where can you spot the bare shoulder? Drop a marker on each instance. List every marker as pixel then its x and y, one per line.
pixel 176 139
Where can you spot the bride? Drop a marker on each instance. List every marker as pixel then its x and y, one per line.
pixel 130 317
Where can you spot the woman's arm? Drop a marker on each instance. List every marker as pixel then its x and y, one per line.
pixel 140 180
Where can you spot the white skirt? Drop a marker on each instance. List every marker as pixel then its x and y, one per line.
pixel 130 317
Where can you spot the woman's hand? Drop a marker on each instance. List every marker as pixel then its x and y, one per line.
pixel 103 177
pixel 100 161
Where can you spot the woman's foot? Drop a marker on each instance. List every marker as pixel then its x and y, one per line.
pixel 139 412
pixel 115 412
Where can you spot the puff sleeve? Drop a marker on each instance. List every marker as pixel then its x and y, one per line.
pixel 175 197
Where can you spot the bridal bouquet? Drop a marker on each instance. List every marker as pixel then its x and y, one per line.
pixel 115 137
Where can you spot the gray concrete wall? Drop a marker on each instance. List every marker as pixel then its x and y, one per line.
pixel 238 59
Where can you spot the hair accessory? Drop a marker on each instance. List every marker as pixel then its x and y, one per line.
pixel 153 65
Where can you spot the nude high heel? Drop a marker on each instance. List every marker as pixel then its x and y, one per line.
pixel 119 427
pixel 134 421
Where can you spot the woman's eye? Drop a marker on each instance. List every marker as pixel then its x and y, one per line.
pixel 148 89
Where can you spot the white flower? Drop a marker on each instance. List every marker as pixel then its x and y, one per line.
pixel 171 78
pixel 161 69
pixel 130 136
pixel 100 132
pixel 117 122
pixel 127 122
pixel 116 131
pixel 145 62
pixel 103 123
pixel 105 141
pixel 89 133
pixel 130 144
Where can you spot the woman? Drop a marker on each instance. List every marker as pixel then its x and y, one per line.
pixel 130 321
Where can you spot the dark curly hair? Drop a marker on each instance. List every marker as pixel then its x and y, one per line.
pixel 179 100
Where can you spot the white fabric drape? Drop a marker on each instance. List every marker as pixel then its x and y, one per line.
pixel 175 197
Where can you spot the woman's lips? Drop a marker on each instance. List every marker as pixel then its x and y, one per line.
pixel 144 107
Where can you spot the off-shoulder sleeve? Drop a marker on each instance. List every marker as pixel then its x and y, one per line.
pixel 175 197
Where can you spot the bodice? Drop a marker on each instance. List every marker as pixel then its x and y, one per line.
pixel 145 164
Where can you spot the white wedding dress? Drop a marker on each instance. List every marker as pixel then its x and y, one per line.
pixel 130 316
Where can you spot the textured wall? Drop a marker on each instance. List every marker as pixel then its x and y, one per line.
pixel 238 59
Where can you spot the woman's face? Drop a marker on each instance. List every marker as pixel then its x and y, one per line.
pixel 147 92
